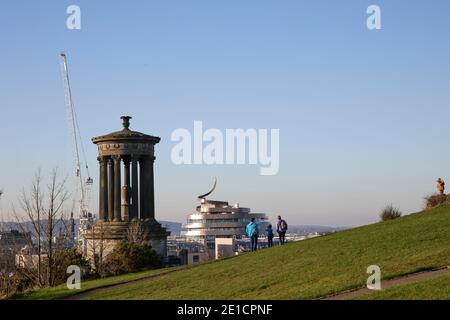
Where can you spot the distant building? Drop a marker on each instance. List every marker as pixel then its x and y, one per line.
pixel 225 247
pixel 198 257
pixel 218 219
pixel 181 250
pixel 10 243
pixel 28 258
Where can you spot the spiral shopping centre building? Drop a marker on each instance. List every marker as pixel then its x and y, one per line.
pixel 217 219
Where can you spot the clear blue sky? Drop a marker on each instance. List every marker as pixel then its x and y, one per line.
pixel 363 115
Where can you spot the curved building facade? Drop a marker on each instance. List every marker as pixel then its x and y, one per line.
pixel 219 219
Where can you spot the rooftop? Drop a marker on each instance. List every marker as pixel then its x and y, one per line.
pixel 126 134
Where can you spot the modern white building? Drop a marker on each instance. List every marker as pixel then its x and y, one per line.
pixel 217 219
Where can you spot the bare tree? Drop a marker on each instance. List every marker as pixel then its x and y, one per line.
pixel 96 250
pixel 57 196
pixel 136 232
pixel 44 211
pixel 32 205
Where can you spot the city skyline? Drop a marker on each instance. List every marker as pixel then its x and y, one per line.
pixel 360 112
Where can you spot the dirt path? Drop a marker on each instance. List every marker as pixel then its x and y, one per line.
pixel 81 295
pixel 386 284
pixel 85 293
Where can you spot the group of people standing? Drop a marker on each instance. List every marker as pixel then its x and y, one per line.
pixel 252 231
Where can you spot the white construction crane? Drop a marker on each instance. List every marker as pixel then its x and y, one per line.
pixel 83 186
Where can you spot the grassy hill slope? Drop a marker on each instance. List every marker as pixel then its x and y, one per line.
pixel 61 291
pixel 306 269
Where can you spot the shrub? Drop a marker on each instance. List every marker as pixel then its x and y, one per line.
pixel 62 259
pixel 22 280
pixel 390 213
pixel 436 200
pixel 130 257
pixel 19 281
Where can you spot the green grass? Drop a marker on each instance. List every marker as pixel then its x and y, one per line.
pixel 61 291
pixel 434 289
pixel 306 269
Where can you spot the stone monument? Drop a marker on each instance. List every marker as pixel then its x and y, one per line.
pixel 127 198
pixel 440 186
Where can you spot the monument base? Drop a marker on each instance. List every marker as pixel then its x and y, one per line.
pixel 106 235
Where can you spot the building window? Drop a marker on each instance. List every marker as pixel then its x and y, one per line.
pixel 195 259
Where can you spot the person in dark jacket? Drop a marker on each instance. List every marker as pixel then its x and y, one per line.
pixel 281 229
pixel 269 233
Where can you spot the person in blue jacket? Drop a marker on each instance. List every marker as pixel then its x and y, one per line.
pixel 269 233
pixel 252 232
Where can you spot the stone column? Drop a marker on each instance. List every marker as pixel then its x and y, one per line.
pixel 149 188
pixel 103 190
pixel 126 189
pixel 142 192
pixel 117 187
pixel 110 189
pixel 134 189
